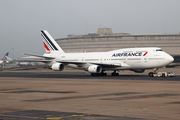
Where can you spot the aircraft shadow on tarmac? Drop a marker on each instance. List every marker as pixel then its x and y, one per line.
pixel 53 115
pixel 82 75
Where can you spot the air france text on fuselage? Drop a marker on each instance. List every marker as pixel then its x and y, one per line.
pixel 127 54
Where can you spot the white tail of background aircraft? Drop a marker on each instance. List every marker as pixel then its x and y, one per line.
pixel 135 59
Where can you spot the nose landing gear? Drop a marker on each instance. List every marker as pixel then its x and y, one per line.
pixel 151 74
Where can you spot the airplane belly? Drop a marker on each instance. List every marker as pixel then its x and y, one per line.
pixel 75 66
pixel 135 63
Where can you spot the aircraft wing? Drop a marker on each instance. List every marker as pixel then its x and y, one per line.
pixel 108 64
pixel 111 65
pixel 49 59
pixel 101 64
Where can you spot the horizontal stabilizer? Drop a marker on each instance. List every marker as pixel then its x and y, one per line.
pixel 39 56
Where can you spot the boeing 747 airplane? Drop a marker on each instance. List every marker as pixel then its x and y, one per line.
pixel 96 63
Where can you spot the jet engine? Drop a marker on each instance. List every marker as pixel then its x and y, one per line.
pixel 138 71
pixel 94 69
pixel 57 66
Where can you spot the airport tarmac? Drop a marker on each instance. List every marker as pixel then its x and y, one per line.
pixel 75 95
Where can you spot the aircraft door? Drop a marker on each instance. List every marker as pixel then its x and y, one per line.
pixel 82 59
pixel 101 59
pixel 145 57
pixel 124 59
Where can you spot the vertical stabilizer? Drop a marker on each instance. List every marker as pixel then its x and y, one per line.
pixel 49 43
pixel 5 56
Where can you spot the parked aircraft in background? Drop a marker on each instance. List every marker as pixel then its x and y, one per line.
pixel 96 63
pixel 5 59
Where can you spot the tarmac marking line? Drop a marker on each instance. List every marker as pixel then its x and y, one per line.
pixel 54 118
pixel 71 117
pixel 140 109
pixel 80 97
pixel 21 116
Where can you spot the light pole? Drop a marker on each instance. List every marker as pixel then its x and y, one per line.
pixel 13 53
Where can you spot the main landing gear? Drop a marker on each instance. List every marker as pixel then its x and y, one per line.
pixel 99 74
pixel 114 73
pixel 105 74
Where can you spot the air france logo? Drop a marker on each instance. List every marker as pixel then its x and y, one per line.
pixel 128 54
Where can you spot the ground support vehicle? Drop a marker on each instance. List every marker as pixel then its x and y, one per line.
pixel 162 74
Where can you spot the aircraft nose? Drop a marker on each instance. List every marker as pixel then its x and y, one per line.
pixel 170 59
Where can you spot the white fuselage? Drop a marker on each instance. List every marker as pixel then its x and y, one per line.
pixel 122 59
pixel 1 62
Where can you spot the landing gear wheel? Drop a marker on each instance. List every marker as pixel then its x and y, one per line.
pixel 99 74
pixel 104 74
pixel 92 74
pixel 95 74
pixel 163 75
pixel 151 74
pixel 114 73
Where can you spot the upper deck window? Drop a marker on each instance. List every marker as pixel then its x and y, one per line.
pixel 159 50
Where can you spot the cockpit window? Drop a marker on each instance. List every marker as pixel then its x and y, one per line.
pixel 159 50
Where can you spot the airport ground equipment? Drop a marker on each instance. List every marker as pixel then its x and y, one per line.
pixel 162 74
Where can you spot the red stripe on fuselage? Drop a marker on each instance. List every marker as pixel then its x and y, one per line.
pixel 46 46
pixel 145 53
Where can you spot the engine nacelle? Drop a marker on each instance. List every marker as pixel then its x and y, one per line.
pixel 94 69
pixel 57 66
pixel 138 71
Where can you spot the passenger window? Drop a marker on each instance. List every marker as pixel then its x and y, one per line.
pixel 159 50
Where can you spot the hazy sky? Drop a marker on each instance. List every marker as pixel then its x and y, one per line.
pixel 22 20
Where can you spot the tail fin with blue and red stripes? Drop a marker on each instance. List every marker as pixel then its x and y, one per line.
pixel 49 43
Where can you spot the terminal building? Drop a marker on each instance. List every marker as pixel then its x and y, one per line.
pixel 106 40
